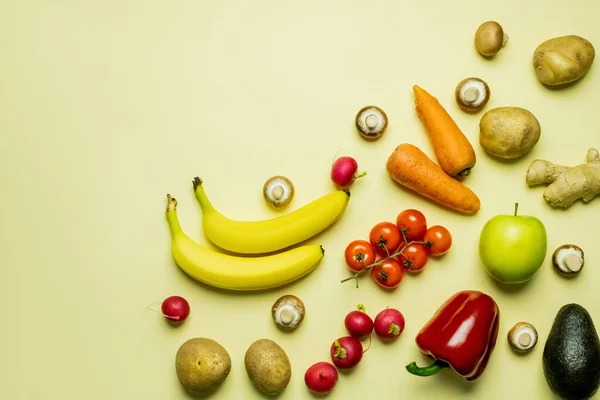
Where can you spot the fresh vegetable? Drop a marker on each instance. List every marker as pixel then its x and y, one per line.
pixel 321 378
pixel 175 308
pixel 202 365
pixel 490 38
pixel 566 185
pixel 385 238
pixel 268 367
pixel 346 352
pixel 343 172
pixel 359 254
pixel 461 335
pixel 257 237
pixel 358 323
pixel 513 247
pixel 438 240
pixel 508 132
pixel 278 191
pixel 238 273
pixel 389 323
pixel 453 150
pixel 371 122
pixel 571 357
pixel 412 224
pixel 411 168
pixel 414 257
pixel 472 94
pixel 522 337
pixel 568 259
pixel 563 59
pixel 288 312
pixel 388 274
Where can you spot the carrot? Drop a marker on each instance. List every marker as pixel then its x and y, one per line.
pixel 411 168
pixel 452 149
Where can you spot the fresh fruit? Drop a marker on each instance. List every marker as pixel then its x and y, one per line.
pixel 513 247
pixel 385 238
pixel 268 367
pixel 388 274
pixel 238 273
pixel 343 172
pixel 414 257
pixel 389 324
pixel 202 365
pixel 321 378
pixel 256 237
pixel 346 352
pixel 359 254
pixel 412 224
pixel 358 323
pixel 571 357
pixel 438 240
pixel 175 308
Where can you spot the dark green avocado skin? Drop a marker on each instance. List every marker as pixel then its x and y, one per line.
pixel 571 355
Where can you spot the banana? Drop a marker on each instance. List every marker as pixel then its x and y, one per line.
pixel 266 236
pixel 238 273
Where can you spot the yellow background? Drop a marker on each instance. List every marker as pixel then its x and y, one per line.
pixel 106 106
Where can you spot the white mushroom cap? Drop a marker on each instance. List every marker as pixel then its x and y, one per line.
pixel 472 94
pixel 568 259
pixel 278 191
pixel 522 337
pixel 288 311
pixel 371 122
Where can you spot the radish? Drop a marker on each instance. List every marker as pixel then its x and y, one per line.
pixel 346 352
pixel 321 377
pixel 358 323
pixel 343 172
pixel 389 324
pixel 174 308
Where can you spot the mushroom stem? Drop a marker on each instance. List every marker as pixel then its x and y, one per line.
pixel 278 192
pixel 471 95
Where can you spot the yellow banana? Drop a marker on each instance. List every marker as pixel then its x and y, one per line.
pixel 256 237
pixel 238 273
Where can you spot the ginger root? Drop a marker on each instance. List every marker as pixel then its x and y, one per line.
pixel 567 184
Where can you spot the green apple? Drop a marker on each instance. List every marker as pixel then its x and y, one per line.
pixel 513 247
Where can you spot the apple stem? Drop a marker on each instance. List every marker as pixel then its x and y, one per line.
pixel 516 208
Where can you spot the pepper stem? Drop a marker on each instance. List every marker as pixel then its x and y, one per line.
pixel 436 367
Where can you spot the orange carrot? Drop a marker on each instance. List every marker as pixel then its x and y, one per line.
pixel 411 168
pixel 452 149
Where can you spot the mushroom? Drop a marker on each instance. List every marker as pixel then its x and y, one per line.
pixel 522 337
pixel 568 259
pixel 490 38
pixel 371 122
pixel 472 94
pixel 278 191
pixel 288 311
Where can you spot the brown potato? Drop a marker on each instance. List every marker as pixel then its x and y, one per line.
pixel 268 366
pixel 202 365
pixel 563 59
pixel 508 132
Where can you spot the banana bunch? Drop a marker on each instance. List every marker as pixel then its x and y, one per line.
pixel 239 273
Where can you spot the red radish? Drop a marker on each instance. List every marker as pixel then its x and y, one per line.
pixel 175 308
pixel 346 352
pixel 389 323
pixel 358 323
pixel 321 377
pixel 343 172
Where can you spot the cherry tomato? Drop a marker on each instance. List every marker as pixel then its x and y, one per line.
pixel 359 254
pixel 412 223
pixel 389 274
pixel 385 235
pixel 414 257
pixel 438 240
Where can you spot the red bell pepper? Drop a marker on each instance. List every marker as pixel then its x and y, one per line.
pixel 461 335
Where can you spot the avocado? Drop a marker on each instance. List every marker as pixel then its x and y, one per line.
pixel 571 354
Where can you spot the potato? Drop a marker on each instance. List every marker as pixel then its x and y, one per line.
pixel 202 365
pixel 563 59
pixel 508 132
pixel 268 366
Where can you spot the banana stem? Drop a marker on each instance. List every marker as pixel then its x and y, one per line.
pixel 172 216
pixel 201 196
